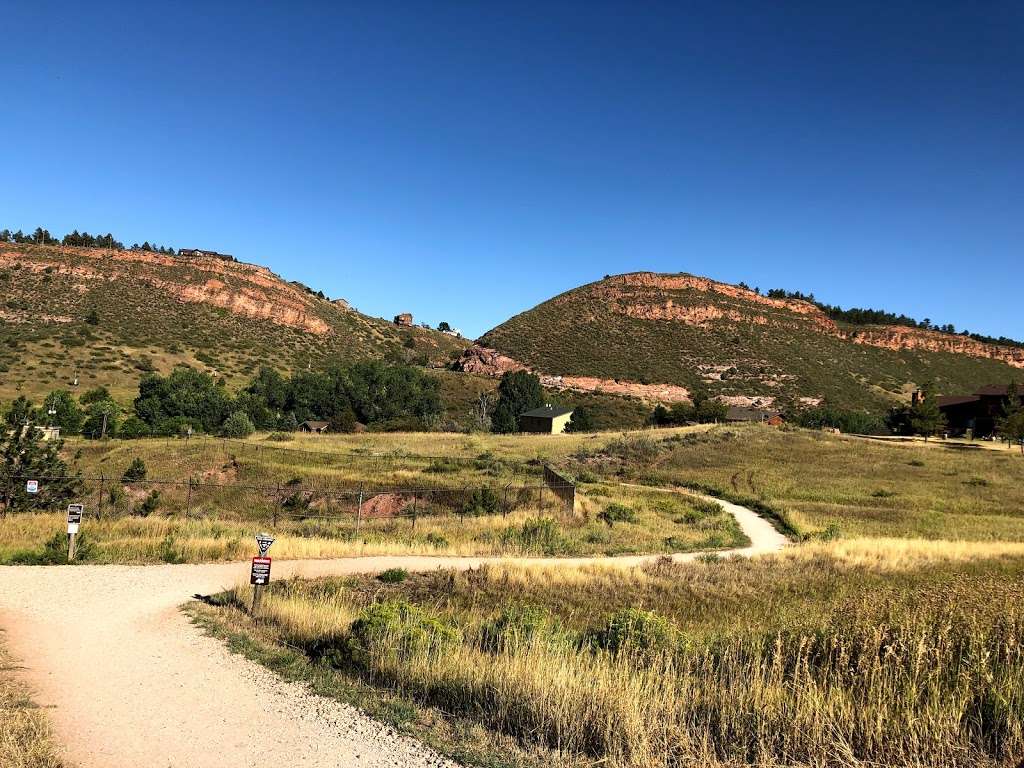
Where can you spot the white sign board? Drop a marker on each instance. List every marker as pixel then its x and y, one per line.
pixel 75 516
pixel 32 486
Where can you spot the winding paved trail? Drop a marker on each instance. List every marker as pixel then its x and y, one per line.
pixel 130 683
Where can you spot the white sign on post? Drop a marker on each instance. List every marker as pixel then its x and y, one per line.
pixel 32 486
pixel 75 516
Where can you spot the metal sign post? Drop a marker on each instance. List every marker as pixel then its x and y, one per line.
pixel 75 512
pixel 259 576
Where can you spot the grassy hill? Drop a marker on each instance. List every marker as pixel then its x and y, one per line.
pixel 106 316
pixel 690 331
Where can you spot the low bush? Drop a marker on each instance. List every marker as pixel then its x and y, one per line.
pixel 393 576
pixel 399 627
pixel 542 535
pixel 616 513
pixel 135 472
pixel 633 629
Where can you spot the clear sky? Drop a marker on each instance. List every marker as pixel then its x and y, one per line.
pixel 465 161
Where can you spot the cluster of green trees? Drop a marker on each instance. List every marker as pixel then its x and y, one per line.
pixel 830 417
pixel 24 455
pixel 700 410
pixel 94 414
pixel 374 393
pixel 83 239
pixel 386 396
pixel 39 237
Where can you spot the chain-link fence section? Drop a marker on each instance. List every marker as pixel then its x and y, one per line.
pixel 274 503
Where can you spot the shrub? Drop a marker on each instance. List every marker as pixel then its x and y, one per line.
pixel 55 551
pixel 393 576
pixel 541 535
pixel 149 505
pixel 397 626
pixel 238 424
pixel 483 501
pixel 280 437
pixel 437 540
pixel 135 472
pixel 133 428
pixel 616 513
pixel 519 624
pixel 637 629
pixel 442 466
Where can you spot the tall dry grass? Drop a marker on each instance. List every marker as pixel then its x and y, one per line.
pixel 926 672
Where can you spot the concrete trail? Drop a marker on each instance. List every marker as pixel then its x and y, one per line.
pixel 130 682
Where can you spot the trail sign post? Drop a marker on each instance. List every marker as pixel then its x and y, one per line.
pixel 259 577
pixel 75 512
pixel 32 486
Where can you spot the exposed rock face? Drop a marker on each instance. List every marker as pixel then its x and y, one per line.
pixel 899 337
pixel 242 289
pixel 490 362
pixel 637 303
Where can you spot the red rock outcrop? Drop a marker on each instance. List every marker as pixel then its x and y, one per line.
pixel 242 289
pixel 490 362
pixel 897 337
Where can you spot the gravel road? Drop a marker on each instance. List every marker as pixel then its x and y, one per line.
pixel 130 683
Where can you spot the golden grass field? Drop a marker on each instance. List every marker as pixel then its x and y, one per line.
pixel 890 634
pixel 865 652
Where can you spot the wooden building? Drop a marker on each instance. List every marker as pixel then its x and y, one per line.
pixel 975 415
pixel 546 420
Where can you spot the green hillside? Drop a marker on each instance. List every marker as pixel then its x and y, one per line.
pixel 107 316
pixel 677 329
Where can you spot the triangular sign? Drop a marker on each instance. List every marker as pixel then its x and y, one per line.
pixel 263 541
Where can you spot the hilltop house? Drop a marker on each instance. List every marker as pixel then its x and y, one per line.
pixel 974 415
pixel 404 319
pixel 546 420
pixel 198 253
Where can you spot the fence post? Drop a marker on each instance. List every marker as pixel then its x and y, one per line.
pixel 99 506
pixel 188 497
pixel 277 504
pixel 504 507
pixel 7 495
pixel 359 509
pixel 415 498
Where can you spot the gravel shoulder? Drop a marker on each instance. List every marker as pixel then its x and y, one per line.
pixel 129 681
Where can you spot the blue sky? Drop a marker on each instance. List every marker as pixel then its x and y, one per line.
pixel 465 161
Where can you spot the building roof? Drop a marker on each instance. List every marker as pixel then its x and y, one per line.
pixel 547 411
pixel 947 401
pixel 735 413
pixel 994 390
pixel 315 424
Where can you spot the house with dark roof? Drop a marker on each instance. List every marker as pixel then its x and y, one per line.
pixel 975 415
pixel 546 420
pixel 316 427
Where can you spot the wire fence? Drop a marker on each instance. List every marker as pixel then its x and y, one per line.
pixel 280 502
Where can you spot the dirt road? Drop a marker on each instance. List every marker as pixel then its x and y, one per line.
pixel 130 683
